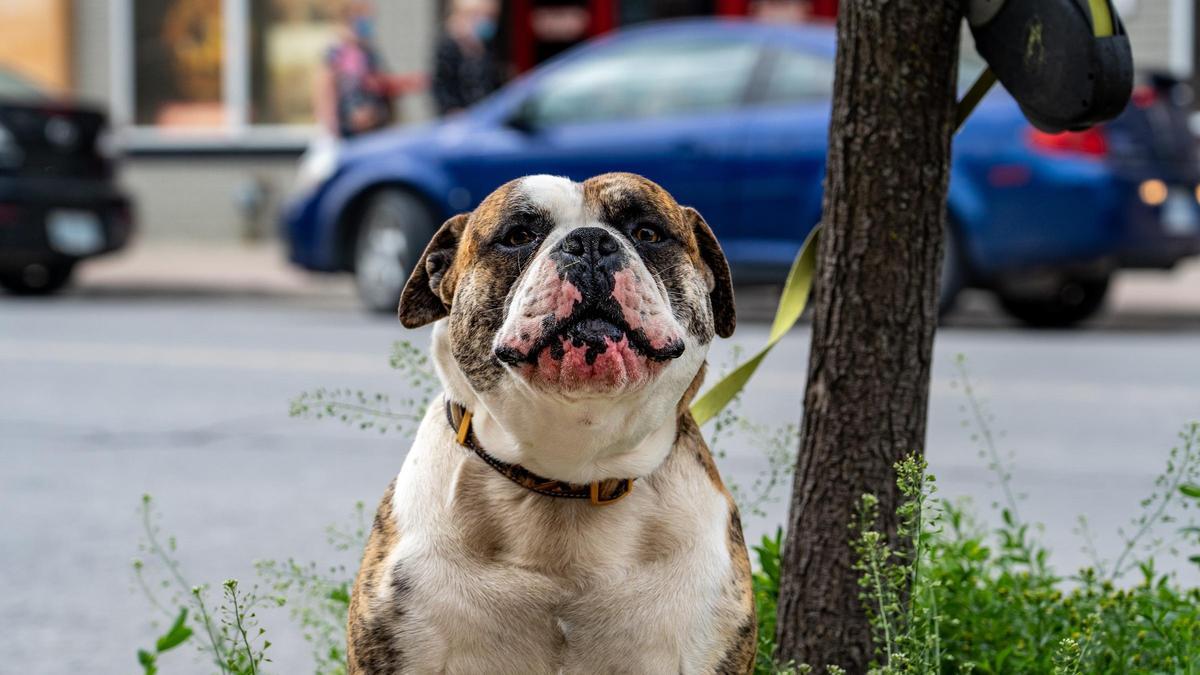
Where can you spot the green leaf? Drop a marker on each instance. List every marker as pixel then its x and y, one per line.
pixel 1192 491
pixel 340 595
pixel 177 634
pixel 1007 517
pixel 146 659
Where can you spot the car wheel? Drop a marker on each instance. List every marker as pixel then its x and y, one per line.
pixel 1071 302
pixel 391 235
pixel 41 278
pixel 954 273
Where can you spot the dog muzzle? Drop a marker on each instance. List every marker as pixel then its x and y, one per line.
pixel 589 318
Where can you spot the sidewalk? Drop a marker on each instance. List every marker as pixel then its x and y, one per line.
pixel 206 268
pixel 1176 291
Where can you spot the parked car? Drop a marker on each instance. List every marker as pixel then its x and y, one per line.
pixel 732 118
pixel 59 203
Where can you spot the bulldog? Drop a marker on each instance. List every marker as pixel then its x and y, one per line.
pixel 559 511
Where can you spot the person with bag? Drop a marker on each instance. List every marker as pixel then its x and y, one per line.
pixel 354 92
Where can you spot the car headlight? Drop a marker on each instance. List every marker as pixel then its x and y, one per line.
pixel 317 164
pixel 11 154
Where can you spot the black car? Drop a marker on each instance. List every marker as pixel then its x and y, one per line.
pixel 59 202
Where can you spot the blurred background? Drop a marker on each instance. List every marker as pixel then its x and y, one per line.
pixel 197 124
pixel 217 94
pixel 208 207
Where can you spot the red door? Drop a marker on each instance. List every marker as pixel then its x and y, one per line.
pixel 538 29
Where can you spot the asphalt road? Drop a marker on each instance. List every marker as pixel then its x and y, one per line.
pixel 109 395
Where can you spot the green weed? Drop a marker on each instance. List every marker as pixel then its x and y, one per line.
pixel 230 638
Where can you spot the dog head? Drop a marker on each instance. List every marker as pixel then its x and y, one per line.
pixel 563 291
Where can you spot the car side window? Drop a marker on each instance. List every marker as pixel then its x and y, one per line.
pixel 645 80
pixel 795 76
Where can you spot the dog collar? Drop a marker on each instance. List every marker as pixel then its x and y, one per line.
pixel 599 493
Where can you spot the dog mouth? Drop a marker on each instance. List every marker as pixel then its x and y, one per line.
pixel 597 328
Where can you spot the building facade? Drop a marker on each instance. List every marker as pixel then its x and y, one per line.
pixel 212 99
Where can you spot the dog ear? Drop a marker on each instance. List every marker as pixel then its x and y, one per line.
pixel 424 299
pixel 720 282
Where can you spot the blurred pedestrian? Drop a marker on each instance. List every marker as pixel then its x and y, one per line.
pixel 465 69
pixel 354 92
pixel 781 11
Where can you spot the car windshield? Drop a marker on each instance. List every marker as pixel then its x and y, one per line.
pixel 15 86
pixel 796 76
pixel 646 79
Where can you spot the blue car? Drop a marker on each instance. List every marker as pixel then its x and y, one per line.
pixel 732 118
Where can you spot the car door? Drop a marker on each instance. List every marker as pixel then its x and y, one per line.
pixel 667 108
pixel 781 163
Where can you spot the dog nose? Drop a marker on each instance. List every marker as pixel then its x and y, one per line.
pixel 595 243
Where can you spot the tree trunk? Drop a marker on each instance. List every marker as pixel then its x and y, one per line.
pixel 875 309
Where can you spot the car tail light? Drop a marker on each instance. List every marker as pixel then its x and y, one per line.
pixel 1091 142
pixel 1144 96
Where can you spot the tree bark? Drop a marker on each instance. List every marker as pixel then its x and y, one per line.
pixel 875 309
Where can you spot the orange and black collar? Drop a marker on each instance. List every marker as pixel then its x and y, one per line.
pixel 599 493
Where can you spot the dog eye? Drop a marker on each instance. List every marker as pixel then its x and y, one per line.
pixel 518 236
pixel 647 234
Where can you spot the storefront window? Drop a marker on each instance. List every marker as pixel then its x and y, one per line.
pixel 178 64
pixel 240 71
pixel 37 38
pixel 288 39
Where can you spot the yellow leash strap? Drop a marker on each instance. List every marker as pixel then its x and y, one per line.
pixel 800 278
pixel 791 306
pixel 1102 21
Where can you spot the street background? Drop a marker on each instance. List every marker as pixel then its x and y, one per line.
pixel 168 367
pixel 166 372
pixel 236 152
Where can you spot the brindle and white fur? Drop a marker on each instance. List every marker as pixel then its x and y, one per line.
pixel 578 357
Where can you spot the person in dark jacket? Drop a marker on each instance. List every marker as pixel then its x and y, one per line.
pixel 464 69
